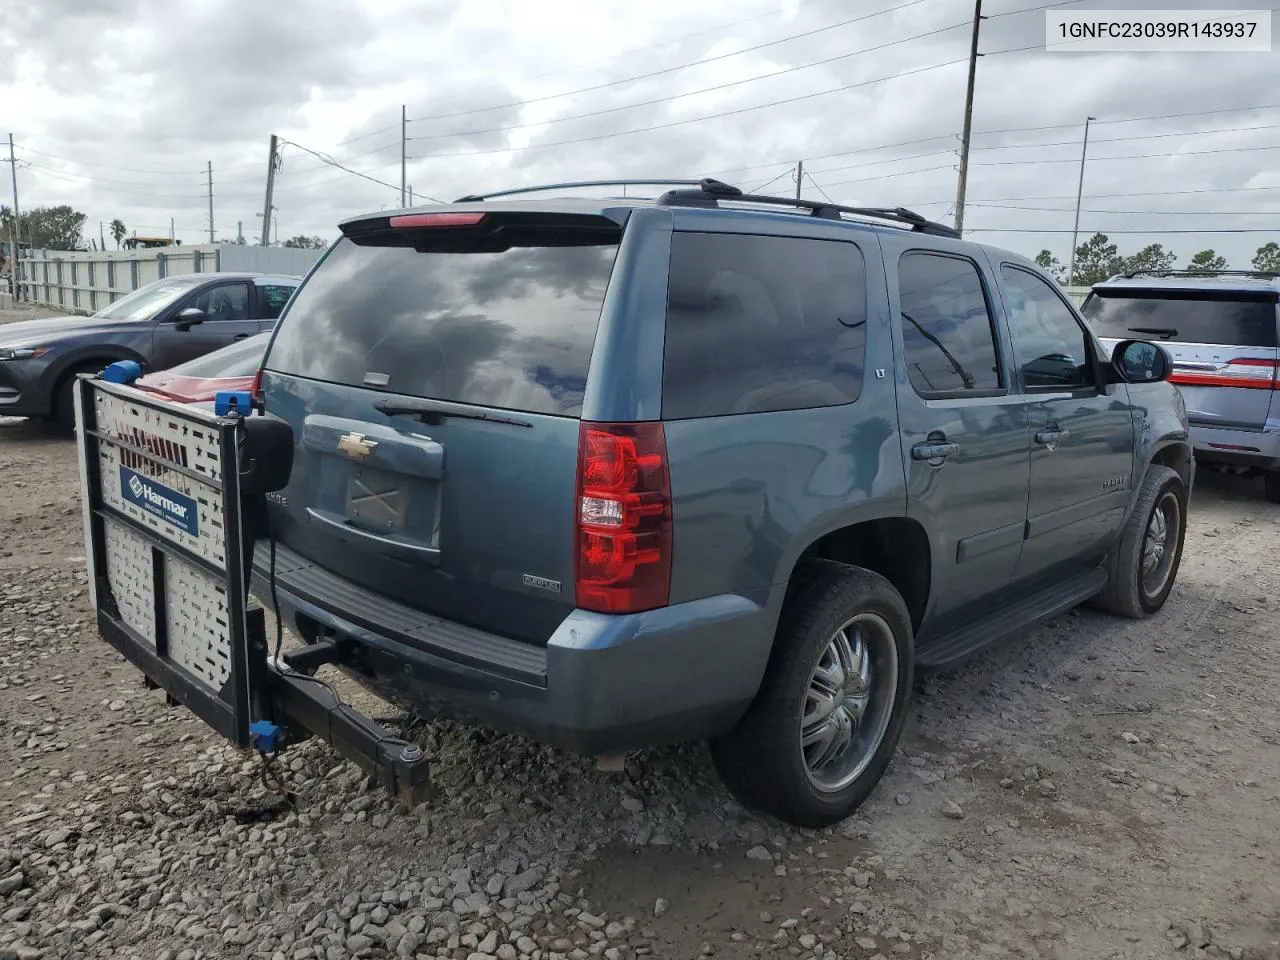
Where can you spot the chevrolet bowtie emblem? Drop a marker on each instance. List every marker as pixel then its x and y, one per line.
pixel 355 446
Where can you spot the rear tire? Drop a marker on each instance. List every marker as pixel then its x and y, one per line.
pixel 1271 486
pixel 1144 566
pixel 830 711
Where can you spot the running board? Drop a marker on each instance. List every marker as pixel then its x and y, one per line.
pixel 944 649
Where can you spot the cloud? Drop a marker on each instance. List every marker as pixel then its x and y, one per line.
pixel 118 106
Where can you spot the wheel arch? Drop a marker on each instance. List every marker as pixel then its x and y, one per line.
pixel 896 547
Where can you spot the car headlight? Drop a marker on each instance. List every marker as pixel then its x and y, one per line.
pixel 22 353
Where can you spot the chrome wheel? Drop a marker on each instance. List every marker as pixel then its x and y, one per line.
pixel 1160 544
pixel 848 702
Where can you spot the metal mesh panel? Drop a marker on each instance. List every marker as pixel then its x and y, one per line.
pixel 130 574
pixel 196 611
pixel 179 441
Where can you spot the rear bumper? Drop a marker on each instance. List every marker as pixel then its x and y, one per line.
pixel 1259 449
pixel 603 683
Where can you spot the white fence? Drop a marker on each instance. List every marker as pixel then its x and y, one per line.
pixel 86 282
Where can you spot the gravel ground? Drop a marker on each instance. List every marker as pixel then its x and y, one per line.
pixel 1102 789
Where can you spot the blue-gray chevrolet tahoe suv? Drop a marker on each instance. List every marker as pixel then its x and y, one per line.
pixel 619 472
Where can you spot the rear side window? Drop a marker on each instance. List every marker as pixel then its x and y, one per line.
pixel 274 297
pixel 510 328
pixel 947 336
pixel 756 324
pixel 1235 319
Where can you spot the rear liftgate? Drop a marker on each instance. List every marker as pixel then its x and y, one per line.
pixel 174 498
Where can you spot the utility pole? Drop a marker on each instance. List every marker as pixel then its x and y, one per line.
pixel 404 136
pixel 968 117
pixel 239 231
pixel 799 177
pixel 271 186
pixel 1075 231
pixel 102 234
pixel 15 232
pixel 210 201
pixel 411 195
pixel 171 234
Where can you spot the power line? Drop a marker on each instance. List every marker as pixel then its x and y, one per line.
pixel 1131 156
pixel 1141 213
pixel 1108 196
pixel 818 187
pixel 680 123
pixel 1158 231
pixel 690 93
pixel 665 70
pixel 331 162
pixel 41 172
pixel 1019 129
pixel 768 183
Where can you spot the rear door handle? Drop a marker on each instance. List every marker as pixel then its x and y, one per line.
pixel 1051 438
pixel 934 450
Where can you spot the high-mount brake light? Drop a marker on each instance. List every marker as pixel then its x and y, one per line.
pixel 418 221
pixel 623 525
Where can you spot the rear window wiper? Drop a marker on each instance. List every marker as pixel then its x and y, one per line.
pixel 1163 332
pixel 432 412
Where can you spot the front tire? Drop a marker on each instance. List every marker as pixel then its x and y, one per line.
pixel 830 711
pixel 64 397
pixel 1145 563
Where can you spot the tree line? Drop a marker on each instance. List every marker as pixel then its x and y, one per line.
pixel 62 228
pixel 1098 258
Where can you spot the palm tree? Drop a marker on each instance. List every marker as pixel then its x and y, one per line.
pixel 118 231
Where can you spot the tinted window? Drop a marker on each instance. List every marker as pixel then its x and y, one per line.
pixel 274 297
pixel 1049 345
pixel 241 359
pixel 509 328
pixel 1230 319
pixel 225 301
pixel 946 325
pixel 762 323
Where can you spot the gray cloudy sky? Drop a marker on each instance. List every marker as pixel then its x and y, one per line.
pixel 116 107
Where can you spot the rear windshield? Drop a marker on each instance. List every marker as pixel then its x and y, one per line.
pixel 509 328
pixel 238 360
pixel 1236 319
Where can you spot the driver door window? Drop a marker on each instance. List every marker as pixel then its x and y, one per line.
pixel 1050 347
pixel 226 301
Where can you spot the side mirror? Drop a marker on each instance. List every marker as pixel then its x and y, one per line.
pixel 1140 361
pixel 188 318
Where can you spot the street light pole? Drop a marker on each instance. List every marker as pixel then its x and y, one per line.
pixel 1075 230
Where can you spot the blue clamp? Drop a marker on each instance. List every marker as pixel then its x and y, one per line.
pixel 122 371
pixel 232 401
pixel 264 735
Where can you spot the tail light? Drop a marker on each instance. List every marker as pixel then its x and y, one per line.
pixel 623 527
pixel 256 390
pixel 1247 372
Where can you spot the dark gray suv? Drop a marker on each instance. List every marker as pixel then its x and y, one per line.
pixel 161 324
pixel 621 472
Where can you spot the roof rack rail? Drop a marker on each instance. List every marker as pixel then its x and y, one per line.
pixel 1259 274
pixel 478 197
pixel 710 192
